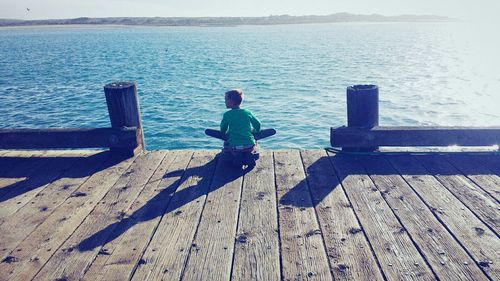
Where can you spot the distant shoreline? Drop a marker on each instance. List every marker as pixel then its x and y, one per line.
pixel 69 26
pixel 96 26
pixel 222 21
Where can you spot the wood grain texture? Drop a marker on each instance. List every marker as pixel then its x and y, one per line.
pixel 165 257
pixel 73 258
pixel 118 259
pixel 476 199
pixel 298 215
pixel 17 168
pixel 14 169
pixel 45 172
pixel 424 228
pixel 481 243
pixel 123 104
pixel 124 110
pixel 302 250
pixel 414 136
pixel 36 249
pixel 475 167
pixel 214 240
pixel 124 137
pixel 256 253
pixel 17 226
pixel 395 251
pixel 348 250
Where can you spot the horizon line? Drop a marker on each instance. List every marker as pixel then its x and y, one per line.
pixel 267 16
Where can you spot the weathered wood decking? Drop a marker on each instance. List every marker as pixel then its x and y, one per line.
pixel 170 215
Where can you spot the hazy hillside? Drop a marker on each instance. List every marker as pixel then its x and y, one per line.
pixel 227 21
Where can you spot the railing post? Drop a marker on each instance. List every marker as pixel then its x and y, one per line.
pixel 123 108
pixel 362 109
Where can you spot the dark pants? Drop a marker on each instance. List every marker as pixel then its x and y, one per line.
pixel 258 136
pixel 240 157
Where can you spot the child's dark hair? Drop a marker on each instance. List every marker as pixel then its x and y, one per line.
pixel 235 95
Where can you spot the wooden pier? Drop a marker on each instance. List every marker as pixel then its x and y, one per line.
pixel 130 214
pixel 298 215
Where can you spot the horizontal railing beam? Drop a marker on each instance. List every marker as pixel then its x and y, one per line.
pixel 353 137
pixel 125 137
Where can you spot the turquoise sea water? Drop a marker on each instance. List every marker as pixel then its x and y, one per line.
pixel 294 76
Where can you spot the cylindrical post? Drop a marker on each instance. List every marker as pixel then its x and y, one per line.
pixel 123 108
pixel 362 108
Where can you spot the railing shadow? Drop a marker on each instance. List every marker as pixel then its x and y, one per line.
pixel 36 171
pixel 325 175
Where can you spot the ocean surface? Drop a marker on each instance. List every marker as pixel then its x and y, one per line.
pixel 294 76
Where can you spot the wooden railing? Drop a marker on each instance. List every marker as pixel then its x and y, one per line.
pixel 124 137
pixel 352 137
pixel 363 133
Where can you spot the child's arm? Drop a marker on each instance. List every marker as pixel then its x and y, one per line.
pixel 255 123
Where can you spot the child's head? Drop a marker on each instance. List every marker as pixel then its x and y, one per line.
pixel 234 98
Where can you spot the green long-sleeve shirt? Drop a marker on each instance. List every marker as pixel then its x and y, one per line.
pixel 239 124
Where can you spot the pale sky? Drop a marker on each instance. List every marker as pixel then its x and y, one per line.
pixel 45 9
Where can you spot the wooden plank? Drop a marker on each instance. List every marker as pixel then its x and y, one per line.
pixel 348 250
pixel 16 165
pixel 423 227
pixel 396 253
pixel 481 243
pixel 8 162
pixel 302 250
pixel 476 199
pixel 17 168
pixel 256 253
pixel 118 259
pixel 22 165
pixel 476 169
pixel 216 232
pixel 167 252
pixel 68 138
pixel 73 258
pixel 414 136
pixel 20 224
pixel 14 169
pixel 493 163
pixel 46 171
pixel 53 153
pixel 36 249
pixel 23 153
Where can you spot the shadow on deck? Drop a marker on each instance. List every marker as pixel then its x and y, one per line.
pixel 297 215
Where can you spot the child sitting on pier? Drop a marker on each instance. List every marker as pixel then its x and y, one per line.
pixel 239 129
pixel 239 124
